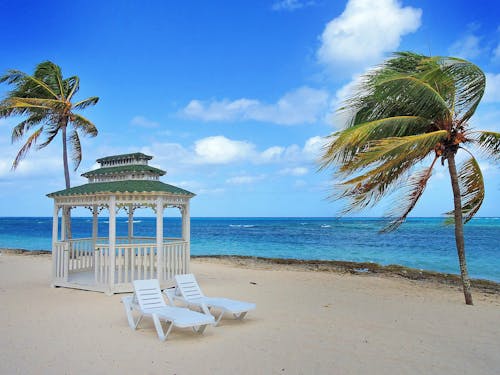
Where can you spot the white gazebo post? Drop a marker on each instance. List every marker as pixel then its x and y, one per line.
pixel 159 238
pixel 63 225
pixel 130 223
pixel 112 241
pixel 55 235
pixel 95 214
pixel 186 233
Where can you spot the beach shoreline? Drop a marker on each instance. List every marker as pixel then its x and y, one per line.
pixel 336 266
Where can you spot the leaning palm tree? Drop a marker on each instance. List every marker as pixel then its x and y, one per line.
pixel 412 111
pixel 44 101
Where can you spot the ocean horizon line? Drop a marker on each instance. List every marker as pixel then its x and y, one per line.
pixel 264 217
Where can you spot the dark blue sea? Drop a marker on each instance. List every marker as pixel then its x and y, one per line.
pixel 422 243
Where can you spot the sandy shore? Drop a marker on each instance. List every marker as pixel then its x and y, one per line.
pixel 305 323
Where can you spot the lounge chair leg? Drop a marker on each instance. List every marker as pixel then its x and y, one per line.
pixel 138 321
pixel 241 315
pixel 159 329
pixel 200 329
pixel 219 318
pixel 130 317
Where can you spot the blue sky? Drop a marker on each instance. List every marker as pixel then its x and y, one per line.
pixel 232 99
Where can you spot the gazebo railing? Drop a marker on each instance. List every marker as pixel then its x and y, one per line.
pixel 175 259
pixel 140 261
pixel 60 261
pixel 81 256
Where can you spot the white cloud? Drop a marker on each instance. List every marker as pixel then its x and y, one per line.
pixel 291 5
pixel 272 153
pixel 348 89
pixel 364 32
pixel 221 150
pixel 211 191
pixel 243 180
pixel 468 47
pixel 496 53
pixel 144 122
pixel 492 92
pixel 37 163
pixel 303 105
pixel 223 110
pixel 169 155
pixel 297 171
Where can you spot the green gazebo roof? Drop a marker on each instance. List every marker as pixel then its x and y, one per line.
pixel 135 155
pixel 130 186
pixel 123 169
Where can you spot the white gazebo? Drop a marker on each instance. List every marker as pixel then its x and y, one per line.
pixel 111 264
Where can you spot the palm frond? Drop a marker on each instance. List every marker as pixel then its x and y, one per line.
pixel 84 125
pixel 387 91
pixel 413 190
pixel 76 149
pixel 392 150
pixel 51 75
pixel 469 82
pixel 28 86
pixel 48 104
pixel 85 103
pixel 346 144
pixel 51 134
pixel 27 146
pixel 381 168
pixel 470 179
pixel 489 143
pixel 24 126
pixel 73 85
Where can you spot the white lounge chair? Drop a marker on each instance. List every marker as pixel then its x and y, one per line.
pixel 188 292
pixel 148 301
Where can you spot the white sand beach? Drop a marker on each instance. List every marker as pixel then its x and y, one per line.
pixel 305 323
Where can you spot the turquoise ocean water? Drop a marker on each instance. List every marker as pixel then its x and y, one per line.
pixel 422 243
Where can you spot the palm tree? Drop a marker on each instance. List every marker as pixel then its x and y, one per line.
pixel 413 110
pixel 45 102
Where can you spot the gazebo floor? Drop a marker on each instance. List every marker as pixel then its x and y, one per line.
pixel 85 280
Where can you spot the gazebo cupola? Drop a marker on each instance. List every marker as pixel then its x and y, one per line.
pixel 124 167
pixel 111 264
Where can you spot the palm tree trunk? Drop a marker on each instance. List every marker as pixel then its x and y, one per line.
pixel 66 210
pixel 459 228
pixel 65 156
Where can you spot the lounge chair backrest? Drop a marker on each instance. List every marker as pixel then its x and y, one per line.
pixel 188 286
pixel 148 294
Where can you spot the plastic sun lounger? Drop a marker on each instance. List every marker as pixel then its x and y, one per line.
pixel 148 301
pixel 189 293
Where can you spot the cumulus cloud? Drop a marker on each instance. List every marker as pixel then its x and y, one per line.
pixel 243 180
pixel 467 47
pixel 300 106
pixel 221 150
pixel 296 171
pixel 492 93
pixel 364 32
pixel 44 163
pixel 144 122
pixel 272 153
pixel 496 53
pixel 313 148
pixel 291 5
